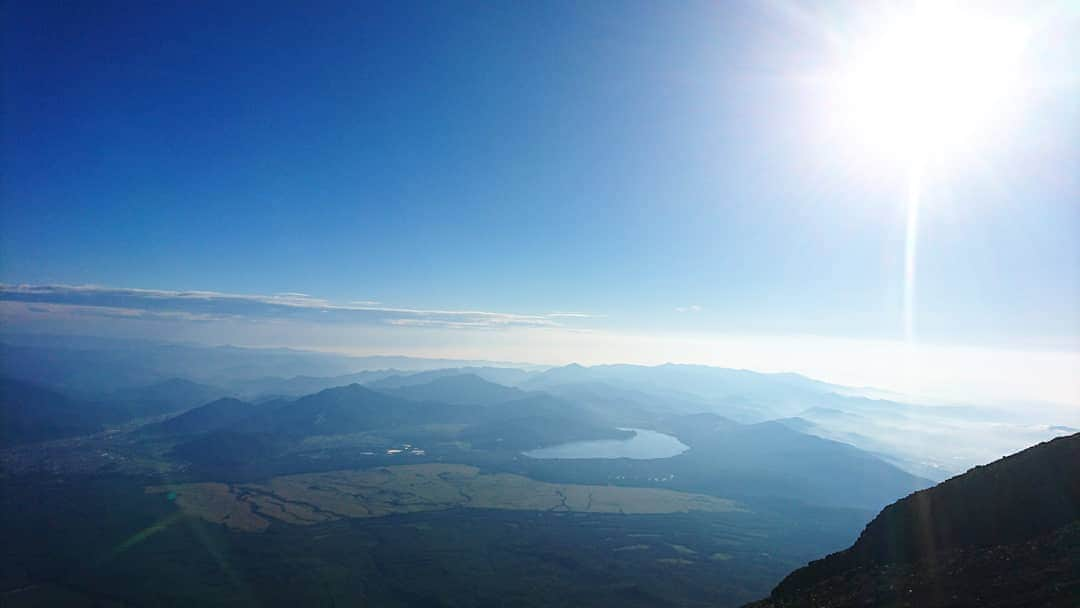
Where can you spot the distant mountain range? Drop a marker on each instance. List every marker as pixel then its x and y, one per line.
pixel 755 434
pixel 347 409
pixel 493 415
pixel 457 389
pixel 166 396
pixel 726 457
pixel 509 376
pixel 271 387
pixel 87 365
pixel 1002 535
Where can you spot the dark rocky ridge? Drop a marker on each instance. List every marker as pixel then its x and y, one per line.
pixel 1004 534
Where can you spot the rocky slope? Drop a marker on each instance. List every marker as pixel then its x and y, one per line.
pixel 1004 534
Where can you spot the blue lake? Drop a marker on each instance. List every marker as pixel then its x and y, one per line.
pixel 644 445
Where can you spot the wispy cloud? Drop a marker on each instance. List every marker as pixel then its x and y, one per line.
pixel 573 315
pixel 690 308
pixel 209 305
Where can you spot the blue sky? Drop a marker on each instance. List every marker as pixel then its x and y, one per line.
pixel 661 167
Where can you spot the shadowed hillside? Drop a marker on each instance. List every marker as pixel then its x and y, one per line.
pixel 1005 534
pixel 173 395
pixel 33 413
pixel 212 416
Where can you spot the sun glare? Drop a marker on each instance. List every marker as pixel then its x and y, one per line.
pixel 931 79
pixel 919 87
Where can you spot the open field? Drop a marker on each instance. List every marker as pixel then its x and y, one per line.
pixel 320 497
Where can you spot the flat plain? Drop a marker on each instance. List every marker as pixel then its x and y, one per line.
pixel 313 498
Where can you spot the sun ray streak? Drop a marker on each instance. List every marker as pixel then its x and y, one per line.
pixel 911 244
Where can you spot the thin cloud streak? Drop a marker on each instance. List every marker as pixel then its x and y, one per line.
pixel 210 305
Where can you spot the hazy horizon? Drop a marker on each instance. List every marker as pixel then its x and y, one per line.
pixel 949 373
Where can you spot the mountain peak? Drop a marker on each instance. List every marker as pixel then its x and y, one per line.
pixel 466 388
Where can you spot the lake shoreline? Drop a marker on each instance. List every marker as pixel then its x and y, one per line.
pixel 645 444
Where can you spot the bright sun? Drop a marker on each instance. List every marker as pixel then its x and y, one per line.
pixel 929 80
pixel 922 86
